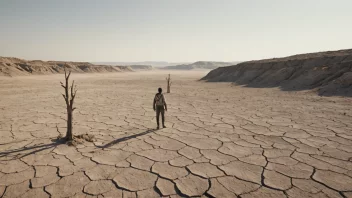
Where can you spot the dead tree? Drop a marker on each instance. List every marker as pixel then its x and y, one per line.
pixel 69 99
pixel 168 80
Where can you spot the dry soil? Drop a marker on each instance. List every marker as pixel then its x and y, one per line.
pixel 221 140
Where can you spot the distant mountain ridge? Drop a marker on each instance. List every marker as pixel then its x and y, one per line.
pixel 200 65
pixel 141 67
pixel 151 63
pixel 10 66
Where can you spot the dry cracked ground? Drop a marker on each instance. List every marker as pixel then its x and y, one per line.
pixel 221 141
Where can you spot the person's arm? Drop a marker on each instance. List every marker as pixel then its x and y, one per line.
pixel 154 104
pixel 165 103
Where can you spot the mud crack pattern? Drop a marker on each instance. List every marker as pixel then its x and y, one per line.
pixel 221 140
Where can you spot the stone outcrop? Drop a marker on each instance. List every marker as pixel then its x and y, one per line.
pixel 328 72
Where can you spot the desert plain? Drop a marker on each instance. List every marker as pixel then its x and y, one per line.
pixel 221 140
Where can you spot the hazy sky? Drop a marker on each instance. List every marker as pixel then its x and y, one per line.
pixel 172 30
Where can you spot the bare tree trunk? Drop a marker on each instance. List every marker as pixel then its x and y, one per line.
pixel 168 80
pixel 69 135
pixel 69 99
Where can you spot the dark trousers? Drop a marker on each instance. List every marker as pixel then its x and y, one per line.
pixel 160 109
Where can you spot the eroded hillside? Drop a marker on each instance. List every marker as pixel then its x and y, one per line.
pixel 16 67
pixel 330 73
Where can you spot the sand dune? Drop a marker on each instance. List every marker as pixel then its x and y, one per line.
pixel 329 72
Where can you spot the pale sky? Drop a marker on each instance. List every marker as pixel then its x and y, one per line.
pixel 172 30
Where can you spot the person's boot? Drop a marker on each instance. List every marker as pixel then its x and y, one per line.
pixel 164 126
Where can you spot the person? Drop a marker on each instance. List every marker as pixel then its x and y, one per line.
pixel 159 105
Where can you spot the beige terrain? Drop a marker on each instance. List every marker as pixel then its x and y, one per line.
pixel 330 73
pixel 10 66
pixel 222 140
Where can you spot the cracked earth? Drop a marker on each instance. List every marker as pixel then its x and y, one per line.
pixel 221 140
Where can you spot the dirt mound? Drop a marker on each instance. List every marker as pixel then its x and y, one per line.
pixel 328 72
pixel 15 67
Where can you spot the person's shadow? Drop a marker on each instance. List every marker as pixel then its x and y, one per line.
pixel 126 138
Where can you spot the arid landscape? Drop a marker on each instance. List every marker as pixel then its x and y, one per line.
pixel 256 96
pixel 329 73
pixel 221 140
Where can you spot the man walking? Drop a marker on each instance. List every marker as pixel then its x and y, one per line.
pixel 158 106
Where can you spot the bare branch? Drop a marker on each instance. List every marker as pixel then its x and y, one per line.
pixel 73 97
pixel 73 83
pixel 63 95
pixel 74 94
pixel 69 73
pixel 62 85
pixel 66 86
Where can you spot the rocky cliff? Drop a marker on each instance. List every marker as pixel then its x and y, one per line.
pixel 15 66
pixel 330 73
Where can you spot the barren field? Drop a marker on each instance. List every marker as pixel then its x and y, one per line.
pixel 221 140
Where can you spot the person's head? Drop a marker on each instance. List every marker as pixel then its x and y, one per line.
pixel 160 90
